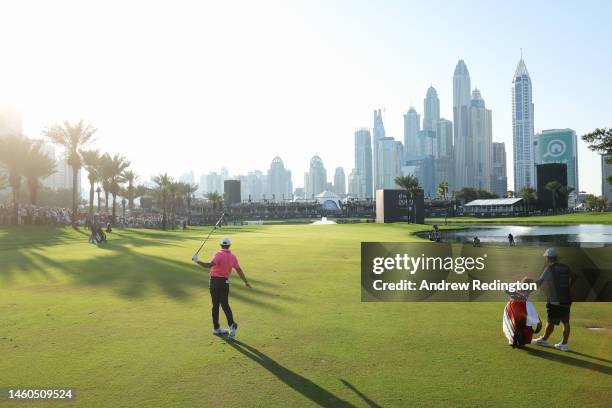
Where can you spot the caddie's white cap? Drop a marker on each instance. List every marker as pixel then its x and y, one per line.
pixel 550 253
pixel 226 241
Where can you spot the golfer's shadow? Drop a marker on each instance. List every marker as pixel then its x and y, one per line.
pixel 564 358
pixel 304 386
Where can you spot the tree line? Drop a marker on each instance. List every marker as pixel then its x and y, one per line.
pixel 25 164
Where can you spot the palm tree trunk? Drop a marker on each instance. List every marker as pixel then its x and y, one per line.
pixel 189 209
pixel 75 179
pixel 131 197
pixel 98 202
pixel 114 208
pixel 15 205
pixel 33 187
pixel 106 201
pixel 91 200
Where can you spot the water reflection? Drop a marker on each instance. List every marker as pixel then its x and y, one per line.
pixel 562 235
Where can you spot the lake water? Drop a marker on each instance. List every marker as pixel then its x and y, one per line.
pixel 562 235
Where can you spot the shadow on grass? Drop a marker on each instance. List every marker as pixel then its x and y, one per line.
pixel 590 356
pixel 135 275
pixel 565 359
pixel 30 236
pixel 364 397
pixel 303 385
pixel 119 266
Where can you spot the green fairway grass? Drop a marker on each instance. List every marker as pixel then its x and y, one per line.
pixel 575 218
pixel 127 324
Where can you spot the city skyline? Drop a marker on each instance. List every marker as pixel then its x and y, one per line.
pixel 141 86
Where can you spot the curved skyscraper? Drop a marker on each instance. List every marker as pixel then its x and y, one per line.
pixel 464 165
pixel 522 128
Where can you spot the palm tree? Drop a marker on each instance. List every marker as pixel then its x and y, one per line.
pixel 36 166
pixel 412 187
pixel 163 181
pixel 216 199
pixel 115 166
pixel 565 192
pixel 529 195
pixel 124 194
pixel 510 194
pixel 92 163
pixel 443 189
pixel 141 190
pixel 590 201
pixel 105 171
pixel 189 190
pixel 130 177
pixel 554 187
pixel 602 203
pixel 73 138
pixel 14 151
pixel 174 200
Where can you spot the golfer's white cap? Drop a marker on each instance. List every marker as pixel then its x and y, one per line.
pixel 226 241
pixel 550 253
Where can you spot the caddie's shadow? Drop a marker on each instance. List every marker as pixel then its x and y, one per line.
pixel 303 385
pixel 564 358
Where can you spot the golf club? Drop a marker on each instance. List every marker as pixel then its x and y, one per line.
pixel 210 233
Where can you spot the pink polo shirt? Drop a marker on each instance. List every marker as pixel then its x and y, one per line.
pixel 224 261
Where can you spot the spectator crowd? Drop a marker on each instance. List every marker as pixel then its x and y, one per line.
pixel 33 215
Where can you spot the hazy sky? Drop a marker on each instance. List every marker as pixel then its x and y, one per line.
pixel 194 85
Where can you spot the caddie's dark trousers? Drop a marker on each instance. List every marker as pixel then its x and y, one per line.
pixel 219 293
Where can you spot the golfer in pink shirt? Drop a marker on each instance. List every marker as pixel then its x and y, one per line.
pixel 220 269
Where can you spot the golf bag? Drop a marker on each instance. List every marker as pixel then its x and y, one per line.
pixel 97 236
pixel 517 322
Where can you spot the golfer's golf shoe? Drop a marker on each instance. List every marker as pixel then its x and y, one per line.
pixel 540 341
pixel 232 330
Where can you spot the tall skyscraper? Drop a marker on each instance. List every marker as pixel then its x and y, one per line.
pixel 499 178
pixel 559 146
pixel 390 155
pixel 522 128
pixel 444 164
pixel 187 177
pixel 464 164
pixel 202 186
pixel 279 185
pixel 214 183
pixel 224 173
pixel 481 130
pixel 606 176
pixel 315 180
pixel 362 173
pixel 412 127
pixel 443 145
pixel 253 186
pixel 377 134
pixel 339 181
pixel 431 112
